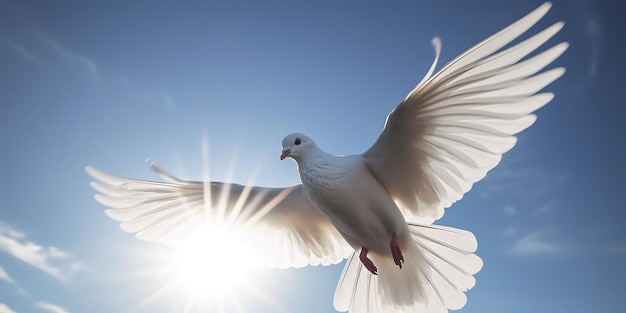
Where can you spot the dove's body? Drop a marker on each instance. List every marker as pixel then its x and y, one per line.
pixel 359 207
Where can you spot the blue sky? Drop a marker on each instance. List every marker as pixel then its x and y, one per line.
pixel 110 84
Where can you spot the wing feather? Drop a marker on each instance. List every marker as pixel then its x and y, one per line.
pixel 285 226
pixel 492 44
pixel 454 126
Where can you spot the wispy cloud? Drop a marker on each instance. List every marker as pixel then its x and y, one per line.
pixel 531 198
pixel 5 276
pixel 50 259
pixel 510 231
pixel 9 231
pixel 537 243
pixel 593 35
pixel 20 50
pixel 545 208
pixel 518 177
pixel 167 98
pixel 51 307
pixel 5 308
pixel 149 94
pixel 71 56
pixel 510 210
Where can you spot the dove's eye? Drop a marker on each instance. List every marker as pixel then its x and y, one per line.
pixel 298 141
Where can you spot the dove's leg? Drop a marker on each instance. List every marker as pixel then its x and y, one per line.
pixel 398 258
pixel 369 265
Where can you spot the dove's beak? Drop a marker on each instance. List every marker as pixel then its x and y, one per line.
pixel 285 153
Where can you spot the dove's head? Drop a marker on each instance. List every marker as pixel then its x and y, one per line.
pixel 297 146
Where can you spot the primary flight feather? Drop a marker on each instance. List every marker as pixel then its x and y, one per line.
pixel 374 208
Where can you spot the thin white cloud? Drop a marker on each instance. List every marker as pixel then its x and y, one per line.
pixel 536 243
pixel 5 276
pixel 48 259
pixel 510 210
pixel 510 231
pixel 146 93
pixel 517 177
pixel 168 101
pixel 20 50
pixel 545 208
pixel 5 308
pixel 51 307
pixel 9 231
pixel 71 56
pixel 167 98
pixel 57 253
pixel 593 35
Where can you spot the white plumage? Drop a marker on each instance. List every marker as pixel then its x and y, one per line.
pixel 450 130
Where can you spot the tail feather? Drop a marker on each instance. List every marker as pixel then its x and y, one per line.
pixel 438 270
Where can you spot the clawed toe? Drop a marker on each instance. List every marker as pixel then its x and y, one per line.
pixel 396 252
pixel 369 265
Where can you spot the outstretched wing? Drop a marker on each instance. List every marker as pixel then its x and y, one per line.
pixel 455 125
pixel 287 229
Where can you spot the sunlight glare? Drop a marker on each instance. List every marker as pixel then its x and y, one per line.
pixel 213 261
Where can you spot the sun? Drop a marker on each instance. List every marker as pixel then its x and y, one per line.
pixel 214 260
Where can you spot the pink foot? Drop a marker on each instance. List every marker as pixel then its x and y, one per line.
pixel 398 258
pixel 369 265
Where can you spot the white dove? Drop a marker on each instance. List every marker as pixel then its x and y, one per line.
pixel 450 130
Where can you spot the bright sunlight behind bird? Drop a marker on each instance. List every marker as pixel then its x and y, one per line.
pixel 213 260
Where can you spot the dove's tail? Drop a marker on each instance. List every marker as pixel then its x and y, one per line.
pixel 437 271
